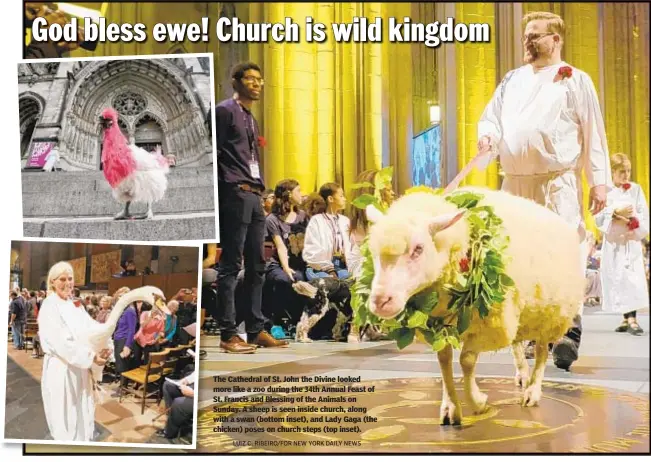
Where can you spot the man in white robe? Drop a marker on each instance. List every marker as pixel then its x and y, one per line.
pixel 545 124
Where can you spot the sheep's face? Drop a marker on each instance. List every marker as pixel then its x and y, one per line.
pixel 405 260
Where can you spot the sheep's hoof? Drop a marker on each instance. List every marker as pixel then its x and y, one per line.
pixel 521 380
pixel 532 396
pixel 450 415
pixel 479 406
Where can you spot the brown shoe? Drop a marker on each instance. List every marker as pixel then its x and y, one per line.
pixel 236 345
pixel 264 340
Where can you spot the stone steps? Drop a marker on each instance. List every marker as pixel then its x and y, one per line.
pixel 77 203
pixel 80 205
pixel 164 227
pixel 53 182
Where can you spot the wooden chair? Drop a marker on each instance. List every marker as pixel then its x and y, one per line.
pixel 152 373
pixel 172 359
pixel 31 329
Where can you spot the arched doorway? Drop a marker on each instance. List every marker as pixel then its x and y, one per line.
pixel 29 111
pixel 149 134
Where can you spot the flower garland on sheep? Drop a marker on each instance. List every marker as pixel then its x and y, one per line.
pixel 474 283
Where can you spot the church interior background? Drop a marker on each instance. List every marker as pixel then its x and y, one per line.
pixel 97 267
pixel 331 110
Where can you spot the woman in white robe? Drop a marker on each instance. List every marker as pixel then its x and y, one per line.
pixel 67 383
pixel 624 223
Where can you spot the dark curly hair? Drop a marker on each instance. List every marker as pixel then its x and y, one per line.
pixel 282 197
pixel 239 69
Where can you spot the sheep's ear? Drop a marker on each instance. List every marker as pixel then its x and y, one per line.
pixel 373 214
pixel 441 222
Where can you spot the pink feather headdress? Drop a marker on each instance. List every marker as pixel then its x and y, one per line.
pixel 116 153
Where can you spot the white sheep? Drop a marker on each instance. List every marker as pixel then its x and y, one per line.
pixel 422 234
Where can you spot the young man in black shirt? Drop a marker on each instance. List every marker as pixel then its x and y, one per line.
pixel 241 216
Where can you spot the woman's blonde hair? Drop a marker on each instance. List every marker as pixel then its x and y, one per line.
pixel 57 270
pixel 108 298
pixel 619 161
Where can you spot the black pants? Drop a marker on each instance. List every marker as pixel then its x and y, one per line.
pixel 141 354
pixel 180 406
pixel 121 364
pixel 281 300
pixel 241 230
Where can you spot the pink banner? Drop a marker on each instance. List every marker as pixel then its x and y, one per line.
pixel 40 150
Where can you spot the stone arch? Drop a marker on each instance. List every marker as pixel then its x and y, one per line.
pixel 30 110
pixel 165 86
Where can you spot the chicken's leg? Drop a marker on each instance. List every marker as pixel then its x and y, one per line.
pixel 124 214
pixel 147 216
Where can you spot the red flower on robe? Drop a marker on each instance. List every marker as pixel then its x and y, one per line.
pixel 262 142
pixel 565 72
pixel 626 186
pixel 633 223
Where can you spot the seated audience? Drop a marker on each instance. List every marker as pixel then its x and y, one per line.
pixel 285 227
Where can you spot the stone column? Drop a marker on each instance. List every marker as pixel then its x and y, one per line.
pixel 477 77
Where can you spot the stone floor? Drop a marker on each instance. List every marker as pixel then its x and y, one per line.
pixel 601 405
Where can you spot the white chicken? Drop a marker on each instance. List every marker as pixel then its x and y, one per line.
pixel 135 175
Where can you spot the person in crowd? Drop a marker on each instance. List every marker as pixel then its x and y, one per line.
pixel 624 223
pixel 152 328
pixel 179 404
pixel 171 322
pixel 66 382
pixel 359 228
pixel 123 338
pixel 241 215
pixel 18 316
pixel 327 243
pixel 104 309
pixel 267 201
pixel 286 227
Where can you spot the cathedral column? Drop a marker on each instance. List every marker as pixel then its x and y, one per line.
pixel 325 107
pixel 397 82
pixel 476 66
pixel 273 55
pixel 348 110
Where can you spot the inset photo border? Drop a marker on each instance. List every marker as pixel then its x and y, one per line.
pixel 83 346
pixel 118 148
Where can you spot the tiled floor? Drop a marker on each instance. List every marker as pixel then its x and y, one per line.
pixel 602 405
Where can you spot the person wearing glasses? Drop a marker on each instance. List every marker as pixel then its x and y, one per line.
pixel 241 216
pixel 545 124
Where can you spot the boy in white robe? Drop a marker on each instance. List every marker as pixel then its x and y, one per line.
pixel 624 223
pixel 545 124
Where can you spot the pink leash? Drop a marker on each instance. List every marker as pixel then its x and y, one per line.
pixel 464 172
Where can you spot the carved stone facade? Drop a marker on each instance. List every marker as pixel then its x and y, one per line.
pixel 162 102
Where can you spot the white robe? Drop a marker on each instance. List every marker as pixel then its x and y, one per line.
pixel 66 384
pixel 623 278
pixel 546 133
